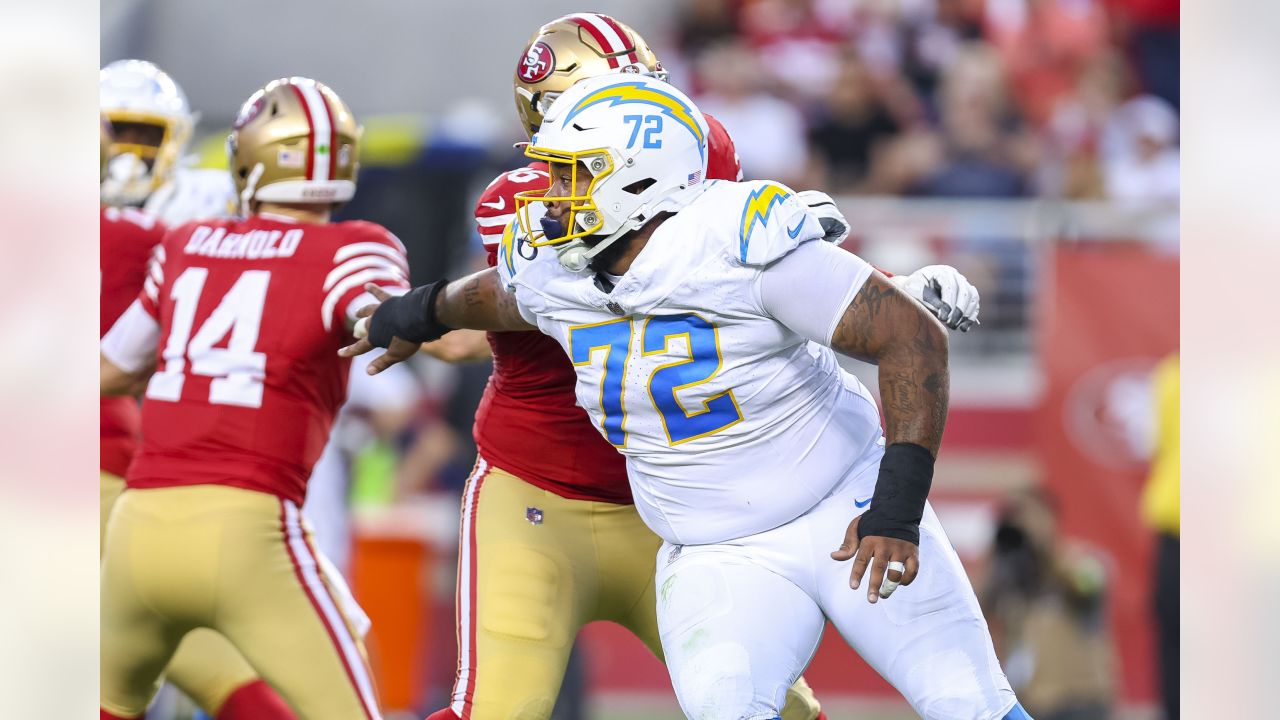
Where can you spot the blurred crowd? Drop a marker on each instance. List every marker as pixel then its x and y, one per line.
pixel 1069 99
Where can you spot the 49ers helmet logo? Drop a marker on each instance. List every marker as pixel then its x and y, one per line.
pixel 537 63
pixel 250 110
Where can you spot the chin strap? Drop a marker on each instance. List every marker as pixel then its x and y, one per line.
pixel 576 256
pixel 251 186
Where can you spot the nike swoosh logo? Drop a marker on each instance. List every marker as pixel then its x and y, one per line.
pixel 862 503
pixel 502 203
pixel 792 233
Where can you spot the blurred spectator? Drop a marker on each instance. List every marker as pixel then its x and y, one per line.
pixel 795 49
pixel 1142 163
pixel 934 36
pixel 1075 135
pixel 1161 508
pixel 853 121
pixel 1045 599
pixel 768 132
pixel 1044 43
pixel 704 24
pixel 1151 29
pixel 983 153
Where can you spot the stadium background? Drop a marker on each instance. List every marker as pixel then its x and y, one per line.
pixel 1031 143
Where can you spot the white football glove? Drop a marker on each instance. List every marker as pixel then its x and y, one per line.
pixel 834 226
pixel 947 294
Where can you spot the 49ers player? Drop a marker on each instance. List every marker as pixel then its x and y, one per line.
pixel 550 538
pixel 244 318
pixel 206 667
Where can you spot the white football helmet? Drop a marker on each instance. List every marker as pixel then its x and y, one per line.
pixel 151 122
pixel 644 143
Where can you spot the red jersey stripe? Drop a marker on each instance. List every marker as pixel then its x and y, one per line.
pixel 592 30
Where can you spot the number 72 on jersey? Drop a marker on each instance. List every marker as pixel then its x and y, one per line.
pixel 611 343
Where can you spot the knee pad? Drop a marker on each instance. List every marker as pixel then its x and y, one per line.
pixel 715 683
pixel 523 595
pixel 693 595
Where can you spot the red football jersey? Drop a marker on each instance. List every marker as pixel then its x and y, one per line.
pixel 722 156
pixel 126 238
pixel 528 422
pixel 248 380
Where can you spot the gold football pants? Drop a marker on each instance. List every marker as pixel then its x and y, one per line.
pixel 533 568
pixel 205 666
pixel 237 562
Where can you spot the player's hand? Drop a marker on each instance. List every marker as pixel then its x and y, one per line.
pixel 878 551
pixel 948 295
pixel 820 204
pixel 399 351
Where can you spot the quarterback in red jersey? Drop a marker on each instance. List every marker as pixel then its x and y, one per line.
pixel 236 327
pixel 206 667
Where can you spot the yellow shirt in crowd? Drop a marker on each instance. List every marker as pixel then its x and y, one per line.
pixel 1161 501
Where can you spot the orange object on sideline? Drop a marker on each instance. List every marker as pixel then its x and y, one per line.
pixel 390 577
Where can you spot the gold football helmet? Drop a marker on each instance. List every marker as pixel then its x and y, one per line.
pixel 573 48
pixel 294 141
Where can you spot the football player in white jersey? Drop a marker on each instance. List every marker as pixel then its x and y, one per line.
pixel 152 123
pixel 702 318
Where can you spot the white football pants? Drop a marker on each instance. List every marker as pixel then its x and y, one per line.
pixel 741 620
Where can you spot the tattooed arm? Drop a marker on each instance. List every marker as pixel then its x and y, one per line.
pixel 479 302
pixel 812 292
pixel 885 327
pixel 834 298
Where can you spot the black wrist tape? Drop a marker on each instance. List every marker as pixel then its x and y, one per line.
pixel 411 317
pixel 906 472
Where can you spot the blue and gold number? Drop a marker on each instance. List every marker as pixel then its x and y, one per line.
pixel 614 337
pixel 703 341
pixel 652 126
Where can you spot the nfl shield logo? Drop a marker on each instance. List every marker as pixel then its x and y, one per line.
pixel 533 515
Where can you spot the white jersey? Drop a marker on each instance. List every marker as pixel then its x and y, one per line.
pixel 194 194
pixel 732 423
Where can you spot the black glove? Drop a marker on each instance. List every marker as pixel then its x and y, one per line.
pixel 411 317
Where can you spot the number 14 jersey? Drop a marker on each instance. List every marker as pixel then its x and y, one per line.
pixel 250 315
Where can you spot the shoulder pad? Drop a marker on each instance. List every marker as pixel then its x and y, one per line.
pixel 514 252
pixel 771 222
